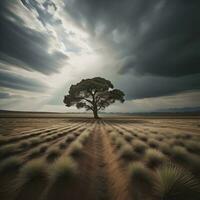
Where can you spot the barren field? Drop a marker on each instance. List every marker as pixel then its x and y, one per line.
pixel 107 159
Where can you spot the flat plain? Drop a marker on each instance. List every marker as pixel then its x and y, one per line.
pixel 113 158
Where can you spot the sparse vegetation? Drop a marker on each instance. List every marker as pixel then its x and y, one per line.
pixel 84 136
pixel 113 136
pixel 43 148
pixel 70 138
pixel 140 175
pixel 76 148
pixel 154 158
pixel 127 152
pixel 176 183
pixel 62 145
pixel 165 148
pixel 33 171
pixel 7 150
pixel 10 165
pixel 119 142
pixel 34 142
pixel 24 145
pixel 64 171
pixel 141 180
pixel 73 157
pixel 193 146
pixel 128 137
pixel 180 154
pixel 153 143
pixel 53 154
pixel 144 138
pixel 139 146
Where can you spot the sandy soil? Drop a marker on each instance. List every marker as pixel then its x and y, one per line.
pixel 103 175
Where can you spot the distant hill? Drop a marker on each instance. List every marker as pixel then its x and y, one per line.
pixel 193 111
pixel 182 110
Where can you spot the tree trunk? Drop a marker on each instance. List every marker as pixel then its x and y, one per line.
pixel 95 114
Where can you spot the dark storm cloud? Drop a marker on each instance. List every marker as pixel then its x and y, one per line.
pixel 152 86
pixel 162 37
pixel 18 82
pixel 155 40
pixel 44 16
pixel 5 95
pixel 25 47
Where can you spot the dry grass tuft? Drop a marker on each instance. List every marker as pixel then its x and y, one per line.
pixel 193 146
pixel 144 138
pixel 10 165
pixel 140 175
pixel 34 142
pixel 33 171
pixel 176 183
pixel 53 154
pixel 7 150
pixel 24 145
pixel 165 148
pixel 64 171
pixel 70 138
pixel 76 148
pixel 153 143
pixel 119 142
pixel 84 136
pixel 43 148
pixel 62 145
pixel 113 136
pixel 127 152
pixel 128 137
pixel 154 158
pixel 139 146
pixel 180 154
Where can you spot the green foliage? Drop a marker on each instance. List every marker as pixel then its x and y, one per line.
pixel 93 94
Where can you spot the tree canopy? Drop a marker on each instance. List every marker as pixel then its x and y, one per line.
pixel 93 94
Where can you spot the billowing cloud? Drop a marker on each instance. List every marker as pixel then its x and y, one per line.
pixel 155 41
pixel 157 37
pixel 20 82
pixel 25 47
pixel 149 49
pixel 152 86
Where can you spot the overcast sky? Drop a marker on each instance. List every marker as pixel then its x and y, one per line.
pixel 148 49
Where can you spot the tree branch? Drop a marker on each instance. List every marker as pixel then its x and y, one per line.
pixel 88 100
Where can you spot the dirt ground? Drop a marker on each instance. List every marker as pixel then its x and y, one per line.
pixel 102 173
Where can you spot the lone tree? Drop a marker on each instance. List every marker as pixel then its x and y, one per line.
pixel 93 94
